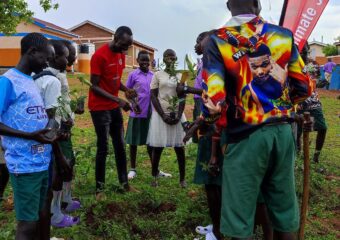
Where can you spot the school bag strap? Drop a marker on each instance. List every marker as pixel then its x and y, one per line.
pixel 43 73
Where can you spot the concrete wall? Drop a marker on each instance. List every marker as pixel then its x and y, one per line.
pixel 323 60
pixel 316 51
pixel 10 45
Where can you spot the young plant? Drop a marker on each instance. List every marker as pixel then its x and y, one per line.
pixel 191 67
pixel 67 107
pixel 174 102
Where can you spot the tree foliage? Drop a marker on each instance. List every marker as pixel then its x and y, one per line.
pixel 12 12
pixel 330 50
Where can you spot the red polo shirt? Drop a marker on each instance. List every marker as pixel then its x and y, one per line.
pixel 109 66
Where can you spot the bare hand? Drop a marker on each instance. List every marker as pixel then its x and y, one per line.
pixel 190 132
pixel 308 125
pixel 131 93
pixel 213 109
pixel 124 105
pixel 175 121
pixel 278 73
pixel 167 119
pixel 63 136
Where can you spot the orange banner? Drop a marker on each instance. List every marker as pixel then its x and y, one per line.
pixel 301 16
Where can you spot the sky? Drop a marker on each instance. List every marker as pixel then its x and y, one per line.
pixel 172 24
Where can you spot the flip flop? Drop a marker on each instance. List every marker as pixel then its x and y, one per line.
pixel 204 230
pixel 68 221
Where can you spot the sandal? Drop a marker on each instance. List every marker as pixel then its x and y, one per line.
pixel 71 207
pixel 68 221
pixel 204 230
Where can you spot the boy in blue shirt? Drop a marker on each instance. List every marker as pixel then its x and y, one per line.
pixel 25 140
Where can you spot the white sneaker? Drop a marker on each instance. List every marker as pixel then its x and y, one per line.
pixel 132 174
pixel 164 174
pixel 204 230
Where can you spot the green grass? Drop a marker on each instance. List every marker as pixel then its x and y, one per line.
pixel 169 212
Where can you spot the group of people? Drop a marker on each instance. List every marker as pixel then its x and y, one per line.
pixel 247 87
pixel 36 137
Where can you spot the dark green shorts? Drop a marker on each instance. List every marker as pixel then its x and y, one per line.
pixel 202 175
pixel 137 131
pixel 319 119
pixel 263 162
pixel 30 191
pixel 67 149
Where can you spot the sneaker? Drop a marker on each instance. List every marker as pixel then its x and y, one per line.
pixel 204 230
pixel 132 174
pixel 164 174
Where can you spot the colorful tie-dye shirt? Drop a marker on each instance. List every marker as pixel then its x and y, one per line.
pixel 258 71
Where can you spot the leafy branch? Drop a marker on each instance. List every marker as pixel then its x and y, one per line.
pixel 173 102
pixel 13 12
pixel 191 67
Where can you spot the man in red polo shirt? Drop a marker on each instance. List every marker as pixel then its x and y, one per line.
pixel 107 65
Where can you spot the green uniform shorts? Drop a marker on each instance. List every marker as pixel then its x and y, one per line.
pixel 262 162
pixel 30 192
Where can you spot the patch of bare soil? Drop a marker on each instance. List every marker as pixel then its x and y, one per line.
pixel 328 93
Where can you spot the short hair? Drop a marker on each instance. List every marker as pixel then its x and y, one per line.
pixel 68 44
pixel 122 30
pixel 142 52
pixel 169 51
pixel 58 47
pixel 261 50
pixel 202 35
pixel 34 39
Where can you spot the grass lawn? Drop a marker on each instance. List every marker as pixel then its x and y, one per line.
pixel 169 212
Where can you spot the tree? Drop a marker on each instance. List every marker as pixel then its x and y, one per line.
pixel 330 50
pixel 13 12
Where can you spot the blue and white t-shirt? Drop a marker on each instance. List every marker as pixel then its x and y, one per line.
pixel 22 108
